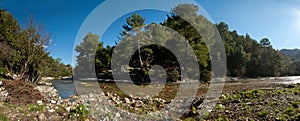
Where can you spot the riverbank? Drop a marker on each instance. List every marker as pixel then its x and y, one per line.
pixel 242 99
pixel 22 101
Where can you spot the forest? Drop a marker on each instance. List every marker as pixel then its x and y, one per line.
pixel 24 54
pixel 246 57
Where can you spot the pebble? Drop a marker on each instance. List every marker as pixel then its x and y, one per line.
pixel 118 114
pixel 41 117
pixel 51 110
pixel 53 101
pixel 127 100
pixel 39 102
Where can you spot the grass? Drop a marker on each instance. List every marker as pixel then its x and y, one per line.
pixel 36 107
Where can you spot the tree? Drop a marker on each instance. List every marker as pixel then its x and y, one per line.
pixel 265 42
pixel 23 50
pixel 134 25
pixel 86 56
pixel 103 57
pixel 191 34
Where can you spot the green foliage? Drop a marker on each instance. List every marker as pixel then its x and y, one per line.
pixel 23 50
pixel 262 113
pixel 251 94
pixel 103 57
pixel 245 56
pixel 86 56
pixel 80 111
pixel 290 111
pixel 35 107
pixel 3 117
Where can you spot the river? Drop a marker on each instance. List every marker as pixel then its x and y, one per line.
pixel 67 88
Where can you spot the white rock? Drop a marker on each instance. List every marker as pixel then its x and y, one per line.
pixel 127 100
pixel 39 102
pixel 118 114
pixel 68 108
pixel 53 101
pixel 51 110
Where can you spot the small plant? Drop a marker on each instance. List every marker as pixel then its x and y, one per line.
pixel 80 111
pixel 205 115
pixel 251 94
pixel 279 92
pixel 273 103
pixel 295 104
pixel 219 107
pixel 34 107
pixel 3 117
pixel 290 111
pixel 262 114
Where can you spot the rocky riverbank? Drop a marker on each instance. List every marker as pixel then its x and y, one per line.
pixel 281 102
pixel 240 101
pixel 22 101
pixel 261 99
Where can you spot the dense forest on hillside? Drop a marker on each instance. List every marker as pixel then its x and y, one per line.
pixel 24 49
pixel 294 66
pixel 24 54
pixel 246 57
pixel 293 54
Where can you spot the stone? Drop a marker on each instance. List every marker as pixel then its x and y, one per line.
pixel 39 102
pixel 51 110
pixel 68 108
pixel 53 101
pixel 127 100
pixel 55 118
pixel 138 103
pixel 41 117
pixel 118 114
pixel 91 100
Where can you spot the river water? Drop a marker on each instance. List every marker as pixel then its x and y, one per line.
pixel 67 88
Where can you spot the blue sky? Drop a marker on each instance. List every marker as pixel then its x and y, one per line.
pixel 278 20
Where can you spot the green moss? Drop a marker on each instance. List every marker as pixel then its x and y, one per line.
pixel 219 107
pixel 290 111
pixel 295 104
pixel 262 114
pixel 251 94
pixel 273 103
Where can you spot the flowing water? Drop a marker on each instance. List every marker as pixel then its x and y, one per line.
pixel 67 88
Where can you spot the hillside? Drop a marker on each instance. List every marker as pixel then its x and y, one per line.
pixel 292 53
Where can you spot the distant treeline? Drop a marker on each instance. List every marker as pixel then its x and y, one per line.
pixel 23 53
pixel 246 57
